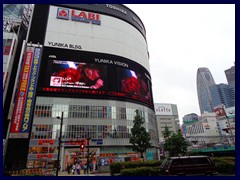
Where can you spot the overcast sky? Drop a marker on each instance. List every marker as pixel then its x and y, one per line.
pixel 181 38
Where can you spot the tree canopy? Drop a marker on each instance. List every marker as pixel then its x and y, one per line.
pixel 140 138
pixel 174 143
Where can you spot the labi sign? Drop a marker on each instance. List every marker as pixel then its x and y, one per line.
pixel 76 15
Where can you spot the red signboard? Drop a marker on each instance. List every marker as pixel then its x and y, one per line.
pixel 7 47
pixel 220 111
pixel 22 92
pixel 23 106
pixel 80 16
pixel 45 141
pixel 40 156
pixel 76 142
pixel 106 154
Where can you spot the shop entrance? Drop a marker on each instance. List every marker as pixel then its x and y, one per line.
pixel 73 155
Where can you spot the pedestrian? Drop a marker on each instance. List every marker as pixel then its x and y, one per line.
pixel 78 168
pixel 85 169
pixel 73 168
pixel 68 168
pixel 91 167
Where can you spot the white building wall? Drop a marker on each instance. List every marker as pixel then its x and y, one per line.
pixel 113 36
pixel 204 131
pixel 166 116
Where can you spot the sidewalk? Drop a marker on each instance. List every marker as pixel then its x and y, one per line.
pixel 64 173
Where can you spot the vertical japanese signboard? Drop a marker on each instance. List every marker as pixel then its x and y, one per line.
pixel 24 103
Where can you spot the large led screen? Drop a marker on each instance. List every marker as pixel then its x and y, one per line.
pixel 81 74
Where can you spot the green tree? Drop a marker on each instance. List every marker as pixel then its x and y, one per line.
pixel 140 138
pixel 174 143
pixel 166 133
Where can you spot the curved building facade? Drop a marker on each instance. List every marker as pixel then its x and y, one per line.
pixel 204 81
pixel 94 67
pixel 189 118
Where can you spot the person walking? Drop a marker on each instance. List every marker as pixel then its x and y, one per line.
pixel 73 168
pixel 85 169
pixel 78 167
pixel 68 168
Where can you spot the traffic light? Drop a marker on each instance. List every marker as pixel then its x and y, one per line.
pixel 82 147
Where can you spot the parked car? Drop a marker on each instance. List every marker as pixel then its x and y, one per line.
pixel 188 165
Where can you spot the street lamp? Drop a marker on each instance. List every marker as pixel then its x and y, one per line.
pixel 59 143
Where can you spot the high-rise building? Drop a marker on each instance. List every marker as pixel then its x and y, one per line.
pixel 222 94
pixel 230 75
pixel 166 115
pixel 204 81
pixel 16 18
pixel 211 95
pixel 91 63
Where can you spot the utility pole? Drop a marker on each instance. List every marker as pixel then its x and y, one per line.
pixel 88 154
pixel 59 143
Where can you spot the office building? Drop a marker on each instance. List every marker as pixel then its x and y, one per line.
pixel 16 18
pixel 222 94
pixel 230 75
pixel 166 115
pixel 91 63
pixel 204 81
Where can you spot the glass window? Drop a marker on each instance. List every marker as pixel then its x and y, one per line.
pixel 200 161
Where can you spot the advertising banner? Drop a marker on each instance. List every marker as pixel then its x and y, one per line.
pixel 220 111
pixel 21 96
pixel 7 44
pixel 31 91
pixel 26 93
pixel 163 109
pixel 94 75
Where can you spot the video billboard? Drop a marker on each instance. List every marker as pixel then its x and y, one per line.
pixel 84 74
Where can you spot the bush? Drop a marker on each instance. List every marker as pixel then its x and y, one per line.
pixel 141 171
pixel 115 168
pixel 225 164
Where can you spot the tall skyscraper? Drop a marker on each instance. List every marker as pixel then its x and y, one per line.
pixel 222 94
pixel 230 75
pixel 204 81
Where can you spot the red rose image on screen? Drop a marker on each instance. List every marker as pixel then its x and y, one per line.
pixel 130 85
pixel 69 75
